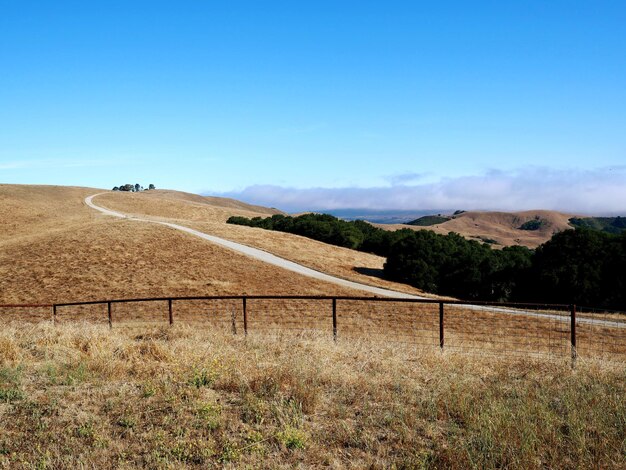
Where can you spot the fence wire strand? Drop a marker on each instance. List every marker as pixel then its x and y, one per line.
pixel 508 329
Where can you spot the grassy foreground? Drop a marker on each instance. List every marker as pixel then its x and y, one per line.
pixel 85 397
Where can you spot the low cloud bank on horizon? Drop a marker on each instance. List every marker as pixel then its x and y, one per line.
pixel 599 191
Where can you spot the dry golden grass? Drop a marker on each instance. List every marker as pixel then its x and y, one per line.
pixel 413 324
pixel 194 395
pixel 56 249
pixel 503 227
pixel 67 252
pixel 209 218
pixel 28 211
pixel 122 259
pixel 82 396
pixel 166 204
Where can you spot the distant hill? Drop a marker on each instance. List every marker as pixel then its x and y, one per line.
pixel 428 220
pixel 613 225
pixel 55 248
pixel 527 228
pixel 378 216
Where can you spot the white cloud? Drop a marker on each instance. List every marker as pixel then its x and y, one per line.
pixel 12 165
pixel 39 164
pixel 579 191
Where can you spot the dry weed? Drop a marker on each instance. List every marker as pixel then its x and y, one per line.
pixel 170 397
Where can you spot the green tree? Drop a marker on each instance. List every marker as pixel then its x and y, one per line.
pixel 569 267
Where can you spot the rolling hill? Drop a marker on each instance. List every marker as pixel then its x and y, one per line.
pixel 75 394
pixel 55 248
pixel 499 228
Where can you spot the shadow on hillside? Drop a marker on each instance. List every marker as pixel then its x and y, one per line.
pixel 373 272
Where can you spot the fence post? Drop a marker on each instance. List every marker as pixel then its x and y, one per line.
pixel 335 320
pixel 110 315
pixel 441 328
pixel 573 334
pixel 233 321
pixel 245 316
pixel 54 314
pixel 171 313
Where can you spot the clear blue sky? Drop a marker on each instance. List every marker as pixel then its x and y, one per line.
pixel 402 104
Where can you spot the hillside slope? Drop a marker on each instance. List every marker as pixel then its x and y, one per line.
pixel 503 228
pixel 207 218
pixel 28 210
pixel 54 248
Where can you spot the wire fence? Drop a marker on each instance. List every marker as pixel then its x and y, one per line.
pixel 478 327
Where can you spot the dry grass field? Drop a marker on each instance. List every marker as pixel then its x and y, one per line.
pixel 467 329
pixel 81 396
pixel 414 325
pixel 211 218
pixel 502 227
pixel 56 249
pixel 201 394
pixel 31 211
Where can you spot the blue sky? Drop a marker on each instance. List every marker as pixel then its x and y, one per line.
pixel 312 105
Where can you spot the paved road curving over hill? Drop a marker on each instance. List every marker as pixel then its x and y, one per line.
pixel 260 255
pixel 297 268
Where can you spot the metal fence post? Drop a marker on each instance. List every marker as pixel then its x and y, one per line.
pixel 234 299
pixel 441 326
pixel 245 316
pixel 335 320
pixel 573 334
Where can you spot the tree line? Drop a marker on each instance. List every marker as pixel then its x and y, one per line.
pixel 133 188
pixel 580 266
pixel 615 225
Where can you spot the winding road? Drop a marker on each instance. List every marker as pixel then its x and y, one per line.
pixel 303 270
pixel 260 255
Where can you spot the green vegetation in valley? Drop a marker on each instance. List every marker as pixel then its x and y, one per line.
pixel 323 227
pixel 613 225
pixel 583 266
pixel 428 220
pixel 534 224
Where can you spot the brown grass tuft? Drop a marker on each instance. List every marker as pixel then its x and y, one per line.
pixel 81 395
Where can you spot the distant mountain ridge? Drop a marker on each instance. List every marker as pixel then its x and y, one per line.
pixel 613 225
pixel 379 216
pixel 526 228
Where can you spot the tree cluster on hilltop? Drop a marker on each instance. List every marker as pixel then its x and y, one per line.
pixel 581 266
pixel 613 225
pixel 133 188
